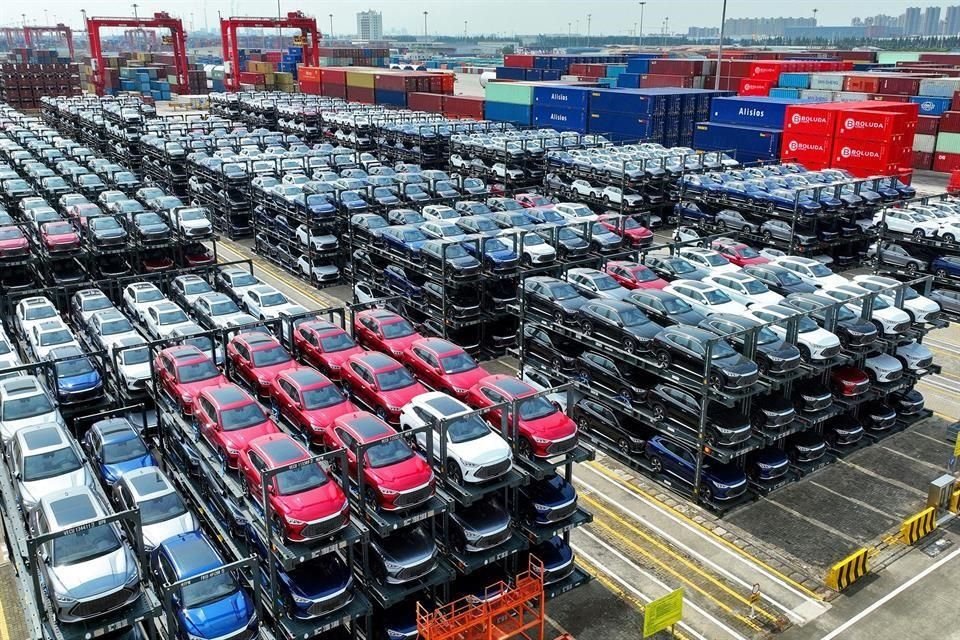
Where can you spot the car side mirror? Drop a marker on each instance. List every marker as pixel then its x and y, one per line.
pixel 272 490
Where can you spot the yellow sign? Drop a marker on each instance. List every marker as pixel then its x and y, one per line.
pixel 299 41
pixel 663 613
pixel 956 447
pixel 167 39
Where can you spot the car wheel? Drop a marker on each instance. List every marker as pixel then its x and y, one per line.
pixel 347 389
pixel 717 380
pixel 525 449
pixel 556 363
pixel 558 317
pixel 583 424
pixel 918 234
pixel 721 225
pixel 454 472
pixel 911 267
pixel 663 359
pixel 382 413
pixel 626 395
pixel 767 236
pixel 276 524
pixel 370 496
pixel 656 465
pixel 583 376
pixel 659 412
pixel 941 273
pixel 222 460
pixel 706 493
pixel 623 446
pixel 746 229
pixel 586 327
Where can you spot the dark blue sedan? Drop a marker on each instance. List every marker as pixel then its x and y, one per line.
pixel 768 464
pixel 404 239
pixel 115 447
pixel 77 379
pixel 946 266
pixel 719 482
pixel 497 254
pixel 549 500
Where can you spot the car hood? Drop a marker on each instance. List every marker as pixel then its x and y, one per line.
pixel 153 228
pixel 772 457
pixel 555 426
pixel 400 397
pixel 403 476
pixel 483 451
pixel 320 502
pixel 79 382
pixel 110 233
pixel 33 491
pixel 312 582
pixel 220 617
pixel 113 471
pixel 553 553
pixel 408 549
pixel 96 576
pixel 572 304
pixel 241 438
pixel 725 474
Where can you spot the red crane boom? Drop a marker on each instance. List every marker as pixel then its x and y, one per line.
pixel 293 20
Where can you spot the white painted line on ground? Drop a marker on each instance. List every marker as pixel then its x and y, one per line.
pixel 890 596
pixel 624 583
pixel 739 557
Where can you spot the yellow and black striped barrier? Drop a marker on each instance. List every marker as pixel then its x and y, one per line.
pixel 849 570
pixel 916 527
pixel 955 501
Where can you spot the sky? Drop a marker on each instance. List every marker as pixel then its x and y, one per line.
pixel 610 17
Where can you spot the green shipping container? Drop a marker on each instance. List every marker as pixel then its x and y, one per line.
pixel 893 57
pixel 948 142
pixel 509 92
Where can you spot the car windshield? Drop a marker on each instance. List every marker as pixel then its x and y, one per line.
pixel 394 379
pixel 244 280
pixel 805 324
pixel 820 271
pixel 748 252
pixel 415 235
pixel 495 245
pixel 77 367
pixel 197 287
pixel 715 259
pixel 563 291
pixel 223 307
pixel 140 355
pixel 4 347
pixel 242 417
pixel 192 214
pixel 766 336
pixel 396 329
pixel 197 371
pixel 56 337
pixel 273 299
pixel 148 295
pixel 387 453
pixel 209 590
pixel 271 356
pixel 40 312
pixel 715 296
pixel 605 283
pixel 96 303
pixel 535 408
pixel 162 508
pixel 633 317
pixel 467 428
pixel 754 287
pixel 315 199
pixel 29 407
pixel 721 349
pixel 59 228
pixel 124 450
pixel 120 325
pixel 85 544
pixel 455 251
pixel 105 222
pixel 322 397
pixel 336 342
pixel 293 481
pixel 174 316
pixel 49 464
pixel 458 363
pixel 789 279
pixel 9 233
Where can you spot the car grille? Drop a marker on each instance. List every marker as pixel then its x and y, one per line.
pixel 69 397
pixel 561 513
pixel 562 446
pixel 492 540
pixel 327 246
pixel 414 496
pixel 923 364
pixel 778 418
pixel 326 527
pixel 785 365
pixel 829 352
pixel 744 380
pixel 900 328
pixel 556 575
pixel 326 606
pixel 809 455
pixel 737 491
pixel 328 277
pixel 415 571
pixel 817 404
pixel 884 423
pixel 101 605
pixel 493 470
pixel 111 241
pixel 860 339
pixel 858 388
pixel 506 266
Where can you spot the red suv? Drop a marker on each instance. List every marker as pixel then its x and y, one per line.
pixel 325 345
pixel 533 201
pixel 740 254
pixel 305 502
pixel 308 400
pixel 543 429
pixel 444 366
pixel 229 419
pixel 632 275
pixel 849 381
pixel 635 233
pixel 59 236
pixel 381 383
pixel 395 476
pixel 383 330
pixel 183 372
pixel 258 358
pixel 13 243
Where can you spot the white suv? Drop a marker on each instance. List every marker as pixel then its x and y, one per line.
pixel 25 403
pixel 811 271
pixel 814 343
pixel 889 319
pixel 474 452
pixel 920 307
pixel 44 459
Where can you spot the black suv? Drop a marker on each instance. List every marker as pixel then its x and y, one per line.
pixel 560 352
pixel 458 261
pixel 778 279
pixel 772 412
pixel 556 298
pixel 725 427
pixel 604 423
pixel 852 331
pixel 664 307
pixel 773 355
pixel 688 345
pixel 594 369
pixel 805 447
pixel 812 397
pixel 619 322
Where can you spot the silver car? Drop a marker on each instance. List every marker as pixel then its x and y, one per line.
pixel 731 219
pixel 162 511
pixel 91 571
pixel 25 403
pixel 46 459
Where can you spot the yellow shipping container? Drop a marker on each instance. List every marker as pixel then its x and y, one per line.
pixel 268 78
pixel 283 78
pixel 360 79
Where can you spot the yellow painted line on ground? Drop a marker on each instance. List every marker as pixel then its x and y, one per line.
pixel 599 468
pixel 652 557
pixel 284 277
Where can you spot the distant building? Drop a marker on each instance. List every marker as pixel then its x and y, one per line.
pixel 911 21
pixel 370 25
pixel 703 32
pixel 764 27
pixel 951 24
pixel 931 21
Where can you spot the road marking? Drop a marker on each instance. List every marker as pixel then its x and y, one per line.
pixel 559 627
pixel 890 596
pixel 944 384
pixel 946 445
pixel 699 556
pixel 860 503
pixel 936 467
pixel 814 522
pixel 876 475
pixel 655 580
pixel 708 535
pixel 652 556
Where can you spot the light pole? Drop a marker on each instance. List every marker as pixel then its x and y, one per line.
pixel 815 16
pixel 589 18
pixel 425 24
pixel 464 29
pixel 46 17
pixel 331 26
pixel 83 12
pixel 569 34
pixel 578 32
pixel 640 39
pixel 723 20
pixel 135 16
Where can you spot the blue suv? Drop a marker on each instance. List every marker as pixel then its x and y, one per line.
pixel 719 482
pixel 116 447
pixel 213 608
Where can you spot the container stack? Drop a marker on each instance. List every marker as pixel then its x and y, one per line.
pixel 554 67
pixel 451 106
pixel 637 65
pixel 26 55
pixel 371 85
pixel 751 126
pixel 353 57
pixel 22 85
pixel 763 76
pixel 510 102
pixel 678 72
pixel 866 138
pixel 150 75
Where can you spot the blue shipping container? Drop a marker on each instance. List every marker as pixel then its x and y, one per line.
pixel 560 96
pixel 511 73
pixel 505 112
pixel 751 111
pixel 392 98
pixel 541 62
pixel 638 65
pixel 795 80
pixel 560 118
pixel 551 74
pixel 757 142
pixel 635 125
pixel 637 101
pixel 533 74
pixel 628 81
pixel 781 92
pixel 932 105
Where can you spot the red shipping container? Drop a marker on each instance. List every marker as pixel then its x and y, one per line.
pixel 946 162
pixel 735 68
pixel 768 70
pixel 949 122
pixel 810 120
pixel 360 94
pixel 308 86
pixel 463 107
pixel 751 87
pixel 432 102
pixel 330 75
pixel 659 80
pixel 395 81
pixel 910 109
pixel 517 60
pixel 882 97
pixel 922 160
pixel 447 81
pixel 864 153
pixel 678 67
pixel 811 150
pixel 310 74
pixel 945 58
pixel 334 90
pixel 900 86
pixel 929 125
pixel 955 104
pixel 869 125
pixel 865 84
pixel 251 78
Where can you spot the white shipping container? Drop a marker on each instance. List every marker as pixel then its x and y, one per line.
pixel 850 96
pixel 826 81
pixel 943 87
pixel 816 93
pixel 924 143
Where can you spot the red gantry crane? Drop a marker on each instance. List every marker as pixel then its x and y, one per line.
pixel 161 20
pixel 59 29
pixel 294 20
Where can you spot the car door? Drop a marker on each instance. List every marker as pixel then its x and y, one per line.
pixel 241 360
pixel 288 399
pixel 252 475
pixel 253 303
pixel 493 396
pixel 206 416
pixel 427 367
pixel 365 390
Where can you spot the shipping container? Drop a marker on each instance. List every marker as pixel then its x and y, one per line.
pixel 509 93
pixel 624 101
pixel 752 111
pixel 865 154
pixel 628 81
pixel 943 87
pixel 924 143
pixel 561 96
pixel 826 81
pixel 794 80
pixel 560 118
pixel 389 98
pixel 749 142
pixel 813 151
pixel 681 67
pixel 517 60
pixel 464 107
pixel 365 95
pixel 511 73
pixel 432 102
pixel 946 162
pixel 922 160
pixel 752 87
pixel 949 123
pixel 903 86
pixel 519 114
pixel 631 125
pixel 932 105
pixel 878 126
pixel 948 143
pixel 333 76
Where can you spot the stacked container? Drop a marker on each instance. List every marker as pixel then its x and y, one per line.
pixel 391 87
pixel 22 85
pixel 749 126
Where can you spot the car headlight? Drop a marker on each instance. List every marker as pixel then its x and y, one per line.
pixel 63 598
pixel 293 521
pixel 301 601
pixel 469 465
pixel 233 451
pixel 541 440
pixel 388 492
pixel 186 397
pixel 263 381
pixel 541 507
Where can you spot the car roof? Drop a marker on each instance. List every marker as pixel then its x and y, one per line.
pixel 305 376
pixel 227 394
pixel 437 345
pixel 71 507
pixel 366 426
pixel 42 438
pixel 376 360
pixel 147 481
pixel 694 332
pixel 280 449
pixel 115 430
pixel 191 554
pixel 510 385
pixel 21 385
pixel 441 404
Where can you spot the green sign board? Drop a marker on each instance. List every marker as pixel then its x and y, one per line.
pixel 663 613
